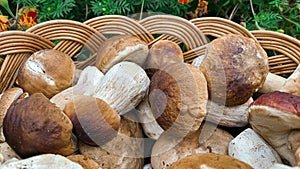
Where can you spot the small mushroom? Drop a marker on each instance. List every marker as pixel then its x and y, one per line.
pixel 123 87
pixel 43 161
pixel 235 67
pixel 88 81
pixel 124 151
pixel 35 126
pixel 6 99
pixel 233 116
pixel 161 53
pixel 84 161
pixel 250 148
pixel 209 161
pixel 168 150
pixel 47 71
pixel 178 97
pixel 275 116
pixel 148 122
pixel 121 48
pixel 95 122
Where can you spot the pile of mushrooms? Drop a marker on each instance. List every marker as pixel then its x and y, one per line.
pixel 144 107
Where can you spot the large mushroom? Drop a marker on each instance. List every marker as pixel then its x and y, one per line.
pixel 167 150
pixel 47 71
pixel 275 116
pixel 178 97
pixel 95 122
pixel 35 126
pixel 121 48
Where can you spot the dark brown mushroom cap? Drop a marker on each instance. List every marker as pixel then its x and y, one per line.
pixel 235 67
pixel 47 71
pixel 178 97
pixel 211 161
pixel 34 126
pixel 95 122
pixel 121 48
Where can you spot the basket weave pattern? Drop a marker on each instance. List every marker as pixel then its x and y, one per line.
pixel 17 46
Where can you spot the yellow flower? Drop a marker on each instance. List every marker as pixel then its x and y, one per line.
pixel 28 17
pixel 4 24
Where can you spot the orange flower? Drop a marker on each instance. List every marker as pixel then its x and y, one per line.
pixel 184 1
pixel 4 24
pixel 28 17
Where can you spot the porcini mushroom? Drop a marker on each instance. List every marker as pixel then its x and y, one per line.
pixel 124 151
pixel 209 161
pixel 43 161
pixel 235 67
pixel 250 148
pixel 95 122
pixel 39 127
pixel 47 71
pixel 275 116
pixel 178 96
pixel 121 48
pixel 167 150
pixel 123 87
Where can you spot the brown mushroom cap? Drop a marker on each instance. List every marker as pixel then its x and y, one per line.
pixel 237 65
pixel 35 126
pixel 162 52
pixel 95 122
pixel 178 97
pixel 47 71
pixel 168 150
pixel 84 161
pixel 121 48
pixel 276 117
pixel 209 161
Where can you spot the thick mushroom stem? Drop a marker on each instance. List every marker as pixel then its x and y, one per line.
pixel 272 83
pixel 292 84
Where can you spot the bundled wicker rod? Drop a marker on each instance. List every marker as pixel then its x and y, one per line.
pixel 72 36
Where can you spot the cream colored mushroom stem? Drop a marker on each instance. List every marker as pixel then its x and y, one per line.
pixel 272 83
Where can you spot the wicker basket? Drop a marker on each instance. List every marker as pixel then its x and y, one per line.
pixel 17 46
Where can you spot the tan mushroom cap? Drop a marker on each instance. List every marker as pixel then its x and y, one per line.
pixel 162 52
pixel 167 150
pixel 47 71
pixel 38 127
pixel 121 48
pixel 178 97
pixel 237 65
pixel 209 161
pixel 84 161
pixel 95 122
pixel 276 117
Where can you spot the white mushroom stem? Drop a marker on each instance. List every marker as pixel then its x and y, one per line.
pixel 282 166
pixel 249 147
pixel 87 83
pixel 272 83
pixel 235 116
pixel 150 126
pixel 292 84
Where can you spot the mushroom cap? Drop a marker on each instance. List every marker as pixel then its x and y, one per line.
pixel 237 64
pixel 123 87
pixel 178 97
pixel 84 161
pixel 43 161
pixel 249 147
pixel 124 151
pixel 39 127
pixel 47 71
pixel 209 160
pixel 121 48
pixel 95 122
pixel 167 150
pixel 274 116
pixel 162 52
